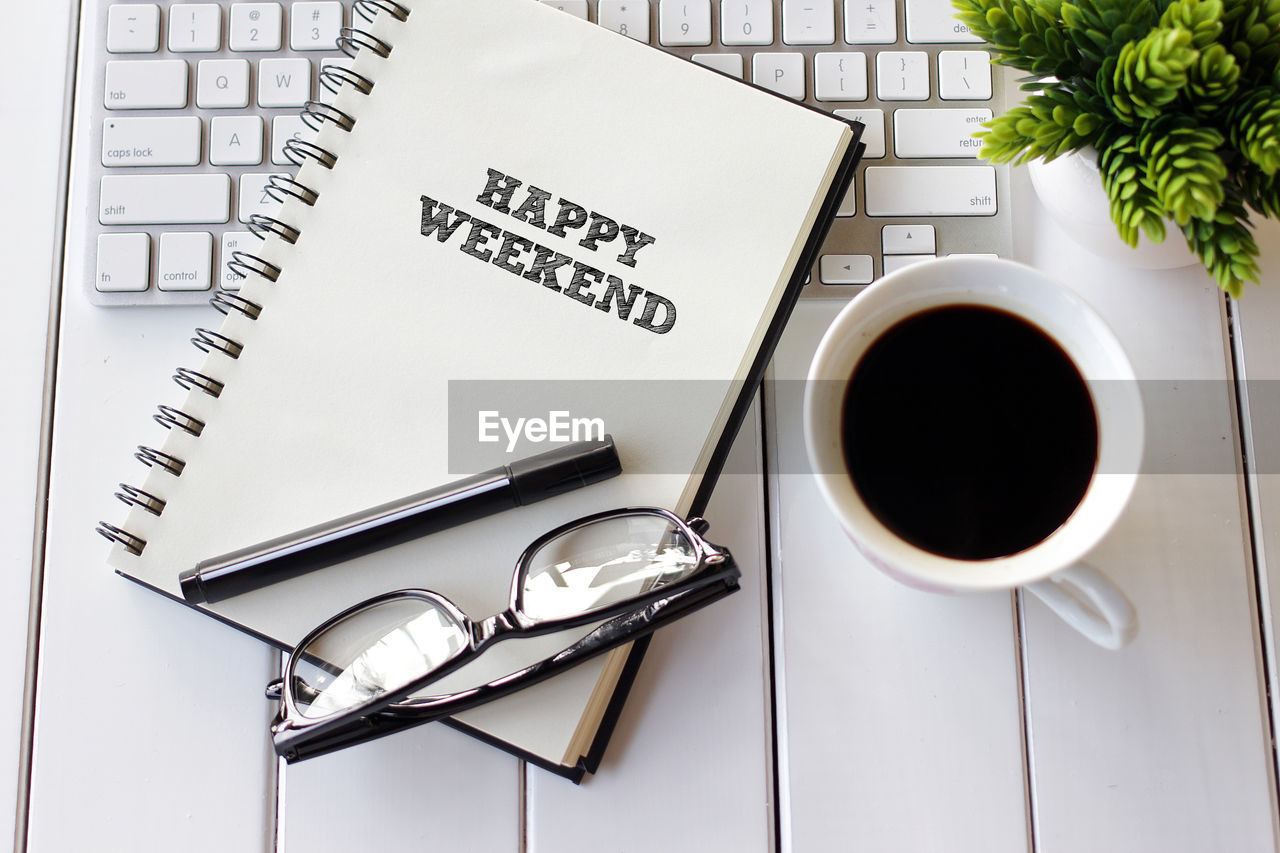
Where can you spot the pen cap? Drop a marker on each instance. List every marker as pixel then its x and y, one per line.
pixel 564 469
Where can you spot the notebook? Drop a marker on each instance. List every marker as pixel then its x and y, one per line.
pixel 565 226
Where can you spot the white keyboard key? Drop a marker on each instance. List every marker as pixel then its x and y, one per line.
pixel 167 141
pixel 147 84
pixel 195 27
pixel 840 76
pixel 235 140
pixel 184 261
pixel 849 203
pixel 964 75
pixel 870 21
pixel 893 263
pixel 234 241
pixel 222 83
pixel 284 128
pixel 284 82
pixel 746 22
pixel 255 26
pixel 930 190
pixel 314 26
pixel 845 269
pixel 934 21
pixel 726 63
pixel 163 199
pixel 873 132
pixel 123 262
pixel 577 8
pixel 781 72
pixel 684 22
pixel 254 197
pixel 133 28
pixel 902 75
pixel 908 240
pixel 937 133
pixel 628 17
pixel 323 93
pixel 808 22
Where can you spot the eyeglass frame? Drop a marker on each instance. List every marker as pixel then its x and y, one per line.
pixel 297 737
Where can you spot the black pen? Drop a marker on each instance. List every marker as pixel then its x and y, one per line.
pixel 522 482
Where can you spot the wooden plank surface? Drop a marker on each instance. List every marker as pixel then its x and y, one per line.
pixel 26 253
pixel 1164 745
pixel 689 765
pixel 899 710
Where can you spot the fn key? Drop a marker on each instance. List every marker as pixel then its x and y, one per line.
pixel 123 262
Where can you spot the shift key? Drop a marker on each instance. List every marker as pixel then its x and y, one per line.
pixel 930 190
pixel 164 199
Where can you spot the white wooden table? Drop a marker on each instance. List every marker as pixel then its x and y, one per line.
pixel 821 708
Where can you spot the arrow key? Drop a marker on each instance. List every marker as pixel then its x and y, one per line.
pixel 908 240
pixel 845 269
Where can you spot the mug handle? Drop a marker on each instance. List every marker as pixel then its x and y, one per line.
pixel 1090 602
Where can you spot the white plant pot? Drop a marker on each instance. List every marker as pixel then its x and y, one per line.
pixel 1071 190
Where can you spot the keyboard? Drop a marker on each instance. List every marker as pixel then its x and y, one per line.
pixel 183 111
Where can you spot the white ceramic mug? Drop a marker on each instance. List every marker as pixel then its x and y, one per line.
pixel 1052 568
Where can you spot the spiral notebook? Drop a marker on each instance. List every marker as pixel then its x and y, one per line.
pixel 569 219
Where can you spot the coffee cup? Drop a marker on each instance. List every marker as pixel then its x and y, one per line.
pixel 975 425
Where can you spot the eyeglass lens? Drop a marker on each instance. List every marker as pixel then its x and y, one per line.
pixel 385 646
pixel 372 652
pixel 605 563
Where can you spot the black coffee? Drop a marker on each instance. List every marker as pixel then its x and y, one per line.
pixel 969 433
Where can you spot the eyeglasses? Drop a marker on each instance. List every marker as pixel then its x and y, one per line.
pixel 361 675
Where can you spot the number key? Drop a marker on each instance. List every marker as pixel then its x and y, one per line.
pixel 684 22
pixel 195 27
pixel 314 26
pixel 746 22
pixel 255 26
pixel 629 17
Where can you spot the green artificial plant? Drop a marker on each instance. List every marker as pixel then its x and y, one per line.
pixel 1180 98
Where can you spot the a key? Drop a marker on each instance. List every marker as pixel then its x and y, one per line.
pixel 164 199
pixel 284 82
pixel 235 140
pixel 849 201
pixel 840 76
pixel 577 8
pixel 845 269
pixel 123 262
pixel 284 128
pixel 184 261
pixel 937 133
pixel 964 75
pixel 934 21
pixel 873 131
pixel 870 21
pixel 808 22
pixel 255 26
pixel 908 240
pixel 893 263
pixel 222 84
pixel 684 22
pixel 323 92
pixel 195 27
pixel 746 22
pixel 164 141
pixel 781 72
pixel 726 63
pixel 254 197
pixel 902 75
pixel 314 26
pixel 930 190
pixel 133 28
pixel 145 84
pixel 234 241
pixel 628 17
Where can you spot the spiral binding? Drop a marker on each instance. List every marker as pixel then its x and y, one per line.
pixel 315 114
